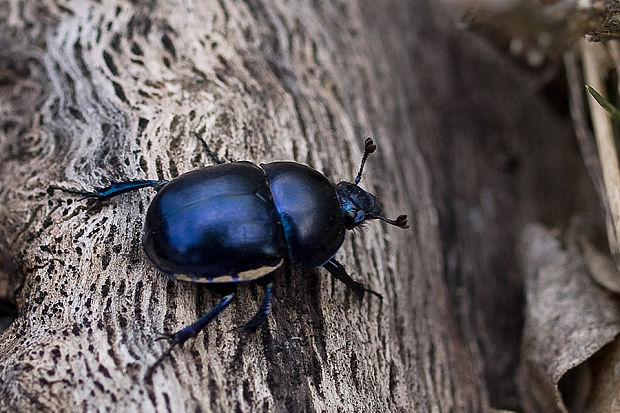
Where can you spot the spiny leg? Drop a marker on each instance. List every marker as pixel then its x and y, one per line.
pixel 337 270
pixel 181 336
pixel 261 315
pixel 255 323
pixel 114 189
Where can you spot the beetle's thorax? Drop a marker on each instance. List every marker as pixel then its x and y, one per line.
pixel 309 210
pixel 356 204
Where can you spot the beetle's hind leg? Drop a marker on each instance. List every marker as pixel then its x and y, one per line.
pixel 338 271
pixel 114 189
pixel 181 336
pixel 261 315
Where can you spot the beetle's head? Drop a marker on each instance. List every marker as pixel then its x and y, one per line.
pixel 358 205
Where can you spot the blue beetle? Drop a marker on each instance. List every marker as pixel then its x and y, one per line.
pixel 236 222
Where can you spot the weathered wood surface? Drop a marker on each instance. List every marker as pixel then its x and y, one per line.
pixel 99 91
pixel 569 318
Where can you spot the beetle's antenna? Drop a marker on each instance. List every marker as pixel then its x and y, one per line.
pixel 369 147
pixel 400 221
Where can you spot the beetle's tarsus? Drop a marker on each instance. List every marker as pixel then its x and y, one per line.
pixel 362 288
pixel 340 273
pixel 181 336
pixel 85 194
pixel 260 318
pixel 176 340
pixel 149 371
pixel 256 322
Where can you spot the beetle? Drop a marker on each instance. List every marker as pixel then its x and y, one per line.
pixel 236 222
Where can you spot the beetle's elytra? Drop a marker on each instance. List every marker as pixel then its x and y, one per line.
pixel 238 221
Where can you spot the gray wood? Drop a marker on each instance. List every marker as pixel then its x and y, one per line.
pixel 568 319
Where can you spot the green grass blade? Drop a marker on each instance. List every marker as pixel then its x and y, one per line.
pixel 613 111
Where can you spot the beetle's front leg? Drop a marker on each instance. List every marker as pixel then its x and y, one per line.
pixel 114 189
pixel 337 270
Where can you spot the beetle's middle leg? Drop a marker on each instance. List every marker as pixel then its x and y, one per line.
pixel 114 189
pixel 261 315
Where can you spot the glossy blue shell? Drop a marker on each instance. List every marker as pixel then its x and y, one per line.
pixel 213 222
pixel 238 221
pixel 309 210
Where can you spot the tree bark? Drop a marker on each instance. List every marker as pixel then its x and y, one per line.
pixel 102 91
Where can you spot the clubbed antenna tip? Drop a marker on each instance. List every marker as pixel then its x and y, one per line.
pixel 369 147
pixel 400 221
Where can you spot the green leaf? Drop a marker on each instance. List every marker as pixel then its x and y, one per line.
pixel 613 111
